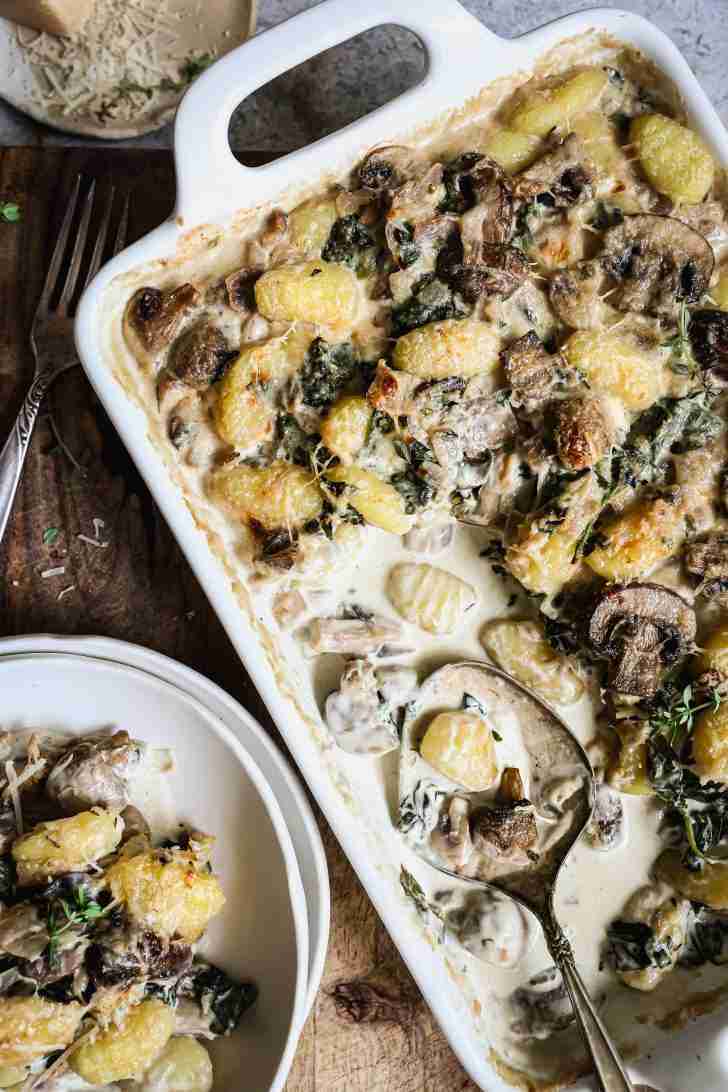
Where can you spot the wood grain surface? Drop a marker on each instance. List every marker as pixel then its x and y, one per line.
pixel 369 1030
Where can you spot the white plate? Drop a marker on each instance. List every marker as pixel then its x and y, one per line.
pixel 217 786
pixel 215 28
pixel 286 787
pixel 212 187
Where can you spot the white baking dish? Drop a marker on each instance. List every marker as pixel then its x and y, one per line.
pixel 462 57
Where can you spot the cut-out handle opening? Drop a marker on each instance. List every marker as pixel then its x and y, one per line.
pixel 327 92
pixel 212 184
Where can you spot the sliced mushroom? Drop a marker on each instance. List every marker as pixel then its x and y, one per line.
pixel 153 317
pixel 576 295
pixel 386 168
pixel 585 431
pixel 360 715
pixel 506 831
pixel 23 931
pixel 95 772
pixel 641 629
pixel 367 634
pixel 491 927
pixel 542 1007
pixel 494 201
pixel 451 837
pixel 510 790
pixel 707 559
pixel 200 355
pixel 531 372
pixel 607 828
pixel 708 332
pixel 657 261
pixel 431 539
pixel 497 271
pixel 239 287
pixel 560 178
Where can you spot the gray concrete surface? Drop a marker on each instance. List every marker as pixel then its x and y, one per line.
pixel 333 89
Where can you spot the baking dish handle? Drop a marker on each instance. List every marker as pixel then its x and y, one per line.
pixel 211 183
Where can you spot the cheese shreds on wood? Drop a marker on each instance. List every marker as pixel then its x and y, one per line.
pixel 123 65
pixel 53 16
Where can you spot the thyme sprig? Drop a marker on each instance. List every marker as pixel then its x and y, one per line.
pixel 79 910
pixel 682 361
pixel 675 719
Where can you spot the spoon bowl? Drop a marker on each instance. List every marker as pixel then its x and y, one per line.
pixel 559 781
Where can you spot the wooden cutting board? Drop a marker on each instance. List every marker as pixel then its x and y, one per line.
pixel 369 1030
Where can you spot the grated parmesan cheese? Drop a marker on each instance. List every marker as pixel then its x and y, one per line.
pixel 14 795
pixel 124 64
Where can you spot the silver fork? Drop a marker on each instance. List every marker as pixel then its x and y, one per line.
pixel 51 337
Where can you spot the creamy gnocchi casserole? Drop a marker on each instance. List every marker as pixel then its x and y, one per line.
pixel 100 986
pixel 468 402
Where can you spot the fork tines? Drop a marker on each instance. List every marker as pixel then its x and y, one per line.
pixel 70 250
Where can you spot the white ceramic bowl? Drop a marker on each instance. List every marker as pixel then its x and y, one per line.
pixel 290 796
pixel 262 932
pixel 212 186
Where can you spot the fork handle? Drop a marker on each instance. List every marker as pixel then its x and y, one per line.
pixel 16 446
pixel 608 1067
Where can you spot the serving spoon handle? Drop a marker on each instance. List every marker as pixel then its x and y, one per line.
pixel 610 1072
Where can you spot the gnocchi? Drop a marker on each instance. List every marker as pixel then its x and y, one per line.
pixel 708 885
pixel 462 347
pixel 124 1053
pixel 375 500
pixel 522 650
pixel 627 771
pixel 345 429
pixel 511 150
pixel 31 1027
pixel 183 1066
pixel 432 598
pixel 310 223
pixel 279 495
pixel 544 552
pixel 316 291
pixel 617 363
pixel 545 109
pixel 639 541
pixel 172 898
pixel 710 744
pixel 243 416
pixel 674 158
pixel 668 919
pixel 66 845
pixel 461 746
pixel 713 654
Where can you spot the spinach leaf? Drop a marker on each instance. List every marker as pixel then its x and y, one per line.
pixel 418 811
pixel 347 241
pixel 672 425
pixel 633 946
pixel 431 301
pixel 471 703
pixel 326 371
pixel 707 938
pixel 460 192
pixel 408 252
pixel 414 490
pixel 225 999
pixel 7 878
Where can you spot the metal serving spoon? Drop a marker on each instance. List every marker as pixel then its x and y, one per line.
pixel 550 745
